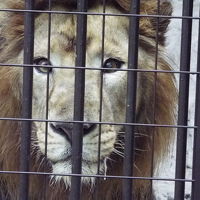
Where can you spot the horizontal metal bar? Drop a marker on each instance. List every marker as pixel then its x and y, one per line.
pixel 99 14
pixel 98 176
pixel 97 122
pixel 98 68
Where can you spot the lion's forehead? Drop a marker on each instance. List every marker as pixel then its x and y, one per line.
pixel 63 35
pixel 63 45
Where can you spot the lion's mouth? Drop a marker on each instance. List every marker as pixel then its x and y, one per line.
pixel 66 159
pixel 64 148
pixel 69 159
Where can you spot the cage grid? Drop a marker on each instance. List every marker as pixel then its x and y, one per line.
pixel 130 124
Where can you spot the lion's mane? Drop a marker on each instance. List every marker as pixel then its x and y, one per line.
pixel 163 89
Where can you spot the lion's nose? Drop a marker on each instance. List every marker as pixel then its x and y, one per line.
pixel 66 129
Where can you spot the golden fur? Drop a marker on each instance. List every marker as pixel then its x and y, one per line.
pixel 152 141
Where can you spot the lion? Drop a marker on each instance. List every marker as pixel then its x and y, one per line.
pixel 152 91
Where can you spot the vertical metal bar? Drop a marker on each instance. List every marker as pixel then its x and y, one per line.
pixel 196 152
pixel 101 85
pixel 47 98
pixel 77 136
pixel 155 98
pixel 183 99
pixel 27 99
pixel 101 100
pixel 131 100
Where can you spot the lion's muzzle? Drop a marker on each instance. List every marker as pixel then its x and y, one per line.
pixel 65 129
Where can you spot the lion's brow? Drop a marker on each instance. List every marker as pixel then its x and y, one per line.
pixel 71 43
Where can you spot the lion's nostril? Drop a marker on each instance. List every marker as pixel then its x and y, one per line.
pixel 87 128
pixel 66 129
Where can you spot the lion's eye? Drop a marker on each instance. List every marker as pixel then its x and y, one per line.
pixel 42 61
pixel 112 63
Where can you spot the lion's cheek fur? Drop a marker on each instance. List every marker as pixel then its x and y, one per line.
pixel 115 87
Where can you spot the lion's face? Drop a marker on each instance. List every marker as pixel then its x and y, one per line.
pixel 61 89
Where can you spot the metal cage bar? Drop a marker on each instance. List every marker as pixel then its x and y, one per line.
pixel 97 122
pixel 27 99
pixel 47 96
pixel 196 151
pixel 154 93
pixel 97 183
pixel 99 14
pixel 183 98
pixel 131 100
pixel 77 135
pixel 100 69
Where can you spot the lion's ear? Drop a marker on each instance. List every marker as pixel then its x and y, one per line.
pixel 155 27
pixel 150 25
pixel 161 24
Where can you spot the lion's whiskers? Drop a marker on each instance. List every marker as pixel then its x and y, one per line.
pixel 143 150
pixel 120 144
pixel 136 167
pixel 118 152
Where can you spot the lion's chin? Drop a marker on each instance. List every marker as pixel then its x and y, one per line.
pixel 63 172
